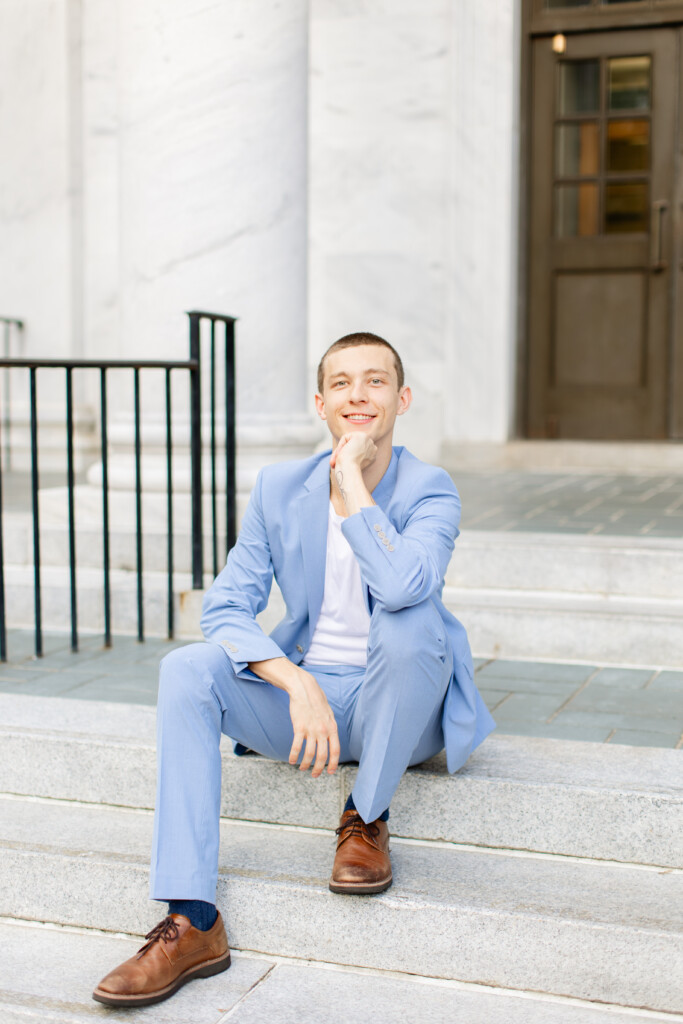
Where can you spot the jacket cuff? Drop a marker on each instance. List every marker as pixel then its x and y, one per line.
pixel 241 656
pixel 370 529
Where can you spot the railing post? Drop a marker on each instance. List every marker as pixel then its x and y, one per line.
pixel 230 481
pixel 3 624
pixel 196 454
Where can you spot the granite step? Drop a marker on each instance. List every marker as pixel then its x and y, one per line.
pixel 588 930
pixel 551 625
pixel 56 607
pixel 518 594
pixel 257 989
pixel 545 624
pixel 548 595
pixel 567 797
pixel 627 566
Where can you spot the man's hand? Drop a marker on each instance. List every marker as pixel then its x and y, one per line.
pixel 313 721
pixel 354 453
pixel 354 449
pixel 315 726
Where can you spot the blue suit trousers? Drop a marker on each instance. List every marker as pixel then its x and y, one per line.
pixel 388 715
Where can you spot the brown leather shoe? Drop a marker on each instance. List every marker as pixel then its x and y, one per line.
pixel 362 863
pixel 174 953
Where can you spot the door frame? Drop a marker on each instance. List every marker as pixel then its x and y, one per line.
pixel 538 23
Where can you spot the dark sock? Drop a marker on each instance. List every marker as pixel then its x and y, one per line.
pixel 201 915
pixel 350 806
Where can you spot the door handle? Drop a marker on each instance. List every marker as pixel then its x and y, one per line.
pixel 659 208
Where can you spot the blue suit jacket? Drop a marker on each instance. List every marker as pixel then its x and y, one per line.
pixel 284 533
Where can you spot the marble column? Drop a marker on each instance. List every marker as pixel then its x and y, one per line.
pixel 195 143
pixel 414 152
pixel 483 226
pixel 40 219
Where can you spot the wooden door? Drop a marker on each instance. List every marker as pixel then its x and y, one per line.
pixel 600 261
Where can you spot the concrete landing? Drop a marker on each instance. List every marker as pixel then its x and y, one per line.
pixel 548 699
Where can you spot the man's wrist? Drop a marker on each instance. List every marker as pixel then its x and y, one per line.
pixel 282 673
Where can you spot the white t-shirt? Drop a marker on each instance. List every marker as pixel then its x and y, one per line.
pixel 341 632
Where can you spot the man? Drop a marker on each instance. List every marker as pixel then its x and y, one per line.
pixel 366 666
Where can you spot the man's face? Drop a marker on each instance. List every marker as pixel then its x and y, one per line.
pixel 360 393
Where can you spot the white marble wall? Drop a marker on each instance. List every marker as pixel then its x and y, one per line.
pixel 154 161
pixel 353 164
pixel 483 232
pixel 38 194
pixel 412 200
pixel 195 170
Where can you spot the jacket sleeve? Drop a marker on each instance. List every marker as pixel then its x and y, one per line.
pixel 241 591
pixel 402 569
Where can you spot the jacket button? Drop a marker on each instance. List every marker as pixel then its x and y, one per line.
pixel 378 527
pixel 381 535
pixel 390 547
pixel 299 648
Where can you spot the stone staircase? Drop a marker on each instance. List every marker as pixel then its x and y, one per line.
pixel 603 598
pixel 544 881
pixel 606 599
pixel 541 883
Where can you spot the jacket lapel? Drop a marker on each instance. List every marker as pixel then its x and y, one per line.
pixel 313 512
pixel 382 496
pixel 384 490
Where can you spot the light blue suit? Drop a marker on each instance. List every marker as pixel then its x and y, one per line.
pixel 416 695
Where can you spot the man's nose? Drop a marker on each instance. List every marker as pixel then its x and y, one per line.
pixel 358 391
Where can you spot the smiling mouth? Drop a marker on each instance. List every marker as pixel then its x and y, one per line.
pixel 359 417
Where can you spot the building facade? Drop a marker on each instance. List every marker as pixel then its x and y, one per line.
pixel 493 185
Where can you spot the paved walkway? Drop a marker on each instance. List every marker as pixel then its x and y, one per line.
pixel 528 698
pixel 609 503
pixel 624 505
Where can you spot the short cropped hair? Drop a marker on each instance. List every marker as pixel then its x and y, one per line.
pixel 353 341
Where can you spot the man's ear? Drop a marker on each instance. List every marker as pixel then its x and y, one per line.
pixel 404 400
pixel 320 407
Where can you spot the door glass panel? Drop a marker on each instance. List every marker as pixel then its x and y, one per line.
pixel 577 148
pixel 629 83
pixel 628 145
pixel 626 207
pixel 579 87
pixel 576 210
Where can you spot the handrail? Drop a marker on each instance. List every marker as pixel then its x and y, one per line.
pixel 193 367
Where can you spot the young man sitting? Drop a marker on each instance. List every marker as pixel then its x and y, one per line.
pixel 366 666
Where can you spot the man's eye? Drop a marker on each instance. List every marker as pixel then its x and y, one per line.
pixel 338 383
pixel 377 380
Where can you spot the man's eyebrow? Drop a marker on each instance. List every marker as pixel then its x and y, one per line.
pixel 345 373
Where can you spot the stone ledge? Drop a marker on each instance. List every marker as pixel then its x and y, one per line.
pixel 556 796
pixel 593 932
pixel 272 990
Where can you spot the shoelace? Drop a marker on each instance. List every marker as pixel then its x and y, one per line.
pixel 355 826
pixel 166 930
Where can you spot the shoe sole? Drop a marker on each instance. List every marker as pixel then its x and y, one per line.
pixel 359 888
pixel 205 970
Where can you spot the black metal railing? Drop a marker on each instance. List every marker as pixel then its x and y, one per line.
pixel 191 366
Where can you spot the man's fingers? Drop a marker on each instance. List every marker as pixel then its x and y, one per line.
pixel 335 750
pixel 296 747
pixel 308 754
pixel 320 759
